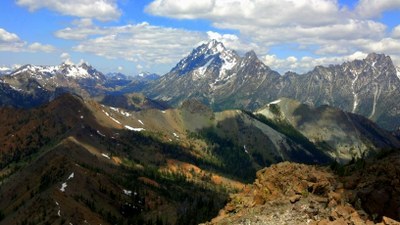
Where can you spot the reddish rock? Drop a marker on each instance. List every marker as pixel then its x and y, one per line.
pixel 295 198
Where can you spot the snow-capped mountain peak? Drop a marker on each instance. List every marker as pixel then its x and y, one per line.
pixel 82 71
pixel 211 54
pixel 398 71
pixel 148 76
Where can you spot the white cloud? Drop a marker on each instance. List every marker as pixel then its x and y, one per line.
pixel 375 8
pixel 272 22
pixel 64 55
pixel 10 42
pixel 386 45
pixel 103 10
pixel 137 43
pixel 306 63
pixel 120 68
pixel 6 36
pixel 245 11
pixel 232 41
pixel 66 58
pixel 396 32
pixel 139 67
pixel 79 33
pixel 181 8
pixel 83 22
pixel 38 47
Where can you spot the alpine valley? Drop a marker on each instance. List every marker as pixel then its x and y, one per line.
pixel 81 147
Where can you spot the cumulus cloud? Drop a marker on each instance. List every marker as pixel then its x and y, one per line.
pixel 38 47
pixel 271 22
pixel 139 67
pixel 244 11
pixel 374 8
pixel 10 42
pixel 66 58
pixel 103 10
pixel 6 36
pixel 232 41
pixel 396 32
pixel 141 42
pixel 386 45
pixel 306 63
pixel 79 33
pixel 182 9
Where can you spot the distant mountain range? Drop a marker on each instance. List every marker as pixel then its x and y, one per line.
pixel 222 79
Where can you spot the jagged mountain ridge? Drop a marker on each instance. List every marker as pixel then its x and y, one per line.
pixel 82 79
pixel 224 80
pixel 80 71
pixel 35 85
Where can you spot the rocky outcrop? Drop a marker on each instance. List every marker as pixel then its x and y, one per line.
pixel 290 193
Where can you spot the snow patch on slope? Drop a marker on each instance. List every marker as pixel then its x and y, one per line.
pixel 105 156
pixel 355 95
pixel 134 129
pixel 229 61
pixel 200 72
pixel 274 102
pixel 127 192
pixel 65 185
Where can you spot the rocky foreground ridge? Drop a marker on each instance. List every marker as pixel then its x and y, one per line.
pixel 291 193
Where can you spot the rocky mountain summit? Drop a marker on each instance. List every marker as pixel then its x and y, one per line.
pixel 212 74
pixel 290 193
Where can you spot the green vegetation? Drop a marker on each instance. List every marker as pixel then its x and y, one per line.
pixel 275 109
pixel 234 162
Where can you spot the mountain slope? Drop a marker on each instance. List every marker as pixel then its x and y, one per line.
pixel 60 165
pixel 344 135
pixel 74 160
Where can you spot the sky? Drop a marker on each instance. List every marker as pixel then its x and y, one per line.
pixel 132 36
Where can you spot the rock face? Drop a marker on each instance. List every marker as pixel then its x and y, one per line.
pixel 222 79
pixel 368 87
pixel 290 193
